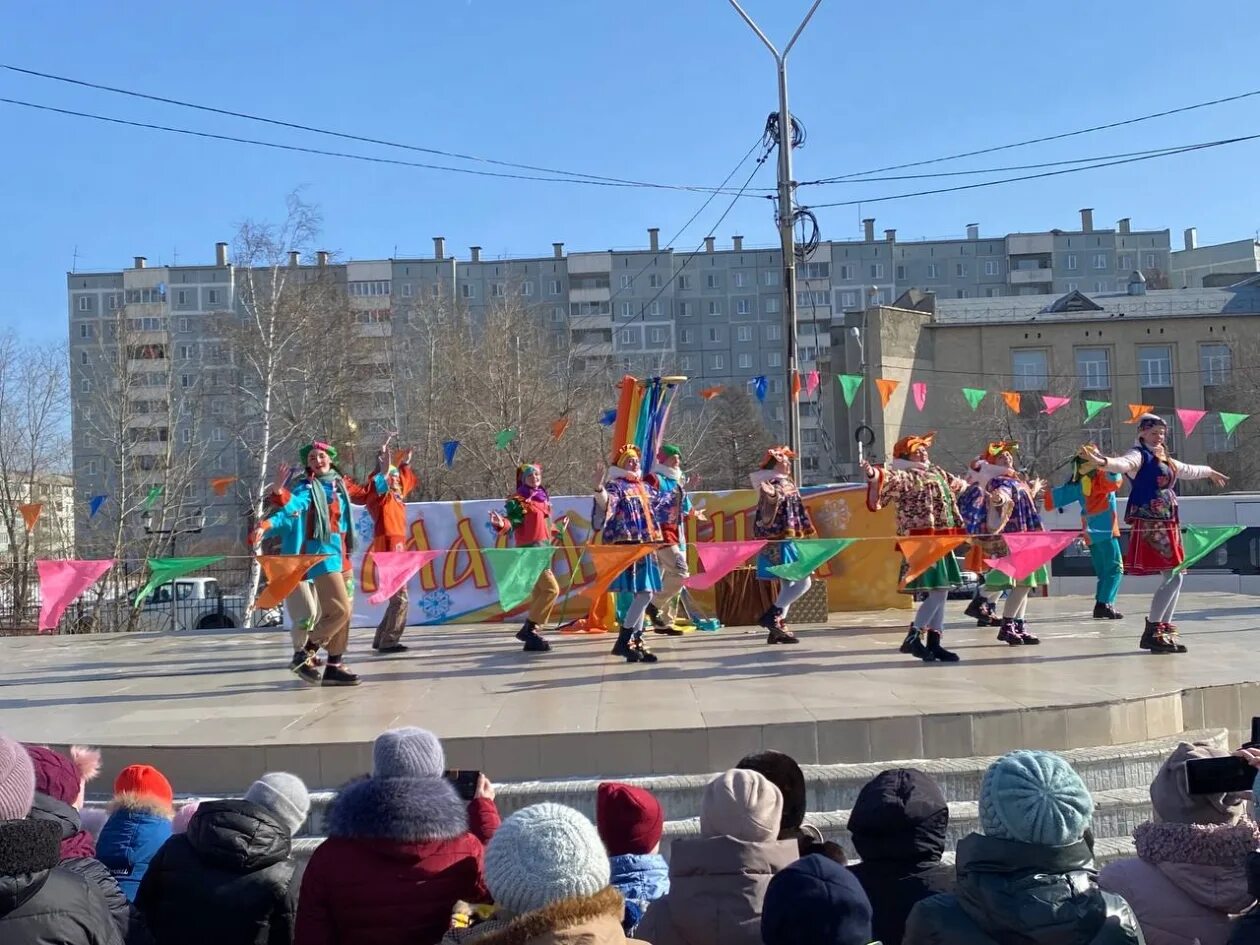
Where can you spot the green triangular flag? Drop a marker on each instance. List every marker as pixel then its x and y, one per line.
pixel 516 571
pixel 1093 406
pixel 849 383
pixel 814 552
pixel 162 570
pixel 1201 540
pixel 1230 421
pixel 974 395
pixel 154 492
pixel 503 438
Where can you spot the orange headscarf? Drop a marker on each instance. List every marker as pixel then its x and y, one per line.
pixel 908 445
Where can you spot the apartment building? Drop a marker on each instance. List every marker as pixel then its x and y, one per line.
pixel 1195 266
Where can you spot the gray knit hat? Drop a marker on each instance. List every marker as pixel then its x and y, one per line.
pixel 17 780
pixel 741 804
pixel 407 753
pixel 283 794
pixel 544 854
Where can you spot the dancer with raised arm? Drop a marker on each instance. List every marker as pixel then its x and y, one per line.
pixel 780 517
pixel 385 496
pixel 527 514
pixel 667 477
pixel 926 505
pixel 1094 490
pixel 1155 522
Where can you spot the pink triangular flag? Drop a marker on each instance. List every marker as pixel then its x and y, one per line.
pixel 60 582
pixel 1190 418
pixel 396 568
pixel 811 383
pixel 1029 551
pixel 919 388
pixel 1054 403
pixel 720 558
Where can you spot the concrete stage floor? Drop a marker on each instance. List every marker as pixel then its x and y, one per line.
pixel 843 694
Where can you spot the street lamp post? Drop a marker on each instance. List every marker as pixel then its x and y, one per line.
pixel 787 215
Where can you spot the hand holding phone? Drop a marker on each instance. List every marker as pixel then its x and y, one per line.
pixel 1231 775
pixel 466 782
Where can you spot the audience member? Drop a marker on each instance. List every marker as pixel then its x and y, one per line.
pixel 183 817
pixel 630 822
pixel 1190 873
pixel 226 880
pixel 1029 877
pixel 784 773
pixel 718 880
pixel 140 816
pixel 815 901
pixel 1246 929
pixel 402 849
pixel 548 873
pixel 41 903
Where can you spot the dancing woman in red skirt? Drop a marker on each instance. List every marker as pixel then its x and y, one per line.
pixel 1151 514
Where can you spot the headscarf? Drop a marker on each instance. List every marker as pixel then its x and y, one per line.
pixel 997 448
pixel 907 446
pixel 306 450
pixel 669 449
pixel 1150 420
pixel 775 455
pixel 526 492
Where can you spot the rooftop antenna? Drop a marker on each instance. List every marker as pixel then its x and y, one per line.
pixel 74 262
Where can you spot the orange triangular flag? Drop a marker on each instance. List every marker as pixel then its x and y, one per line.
pixel 796 386
pixel 886 388
pixel 558 428
pixel 220 484
pixel 30 514
pixel 609 561
pixel 1012 400
pixel 710 392
pixel 1136 410
pixel 284 573
pixel 923 551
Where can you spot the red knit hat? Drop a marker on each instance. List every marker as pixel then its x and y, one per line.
pixel 146 781
pixel 629 819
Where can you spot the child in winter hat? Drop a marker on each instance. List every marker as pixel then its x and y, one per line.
pixel 815 900
pixel 139 823
pixel 630 822
pixel 64 777
pixel 284 795
pixel 17 780
pixel 144 782
pixel 741 804
pixel 1034 797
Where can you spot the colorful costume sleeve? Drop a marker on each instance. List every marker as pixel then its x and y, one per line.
pixel 408 480
pixel 299 499
pixel 1060 497
pixel 886 485
pixel 358 493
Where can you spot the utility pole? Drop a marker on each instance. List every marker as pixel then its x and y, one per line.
pixel 787 216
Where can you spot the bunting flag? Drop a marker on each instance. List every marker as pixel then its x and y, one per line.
pixel 796 386
pixel 919 389
pixel 220 484
pixel 396 568
pixel 815 552
pixel 1201 540
pixel 1230 421
pixel 1189 418
pixel 811 383
pixel 720 558
pixel 516 570
pixel 30 514
pixel 885 386
pixel 1012 399
pixel 60 582
pixel 1136 410
pixel 162 570
pixel 849 384
pixel 558 428
pixel 1029 551
pixel 1093 406
pixel 974 395
pixel 94 505
pixel 710 392
pixel 448 452
pixel 503 438
pixel 154 492
pixel 608 417
pixel 923 551
pixel 1054 403
pixel 610 561
pixel 759 387
pixel 284 573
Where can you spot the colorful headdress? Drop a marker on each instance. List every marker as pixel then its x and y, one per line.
pixel 775 455
pixel 669 449
pixel 998 447
pixel 627 451
pixel 305 451
pixel 524 469
pixel 908 445
pixel 1149 420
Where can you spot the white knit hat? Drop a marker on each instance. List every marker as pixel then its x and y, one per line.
pixel 741 804
pixel 543 854
pixel 283 794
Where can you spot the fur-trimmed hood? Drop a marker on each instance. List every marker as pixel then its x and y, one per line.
pixel 588 920
pixel 407 810
pixel 141 804
pixel 1207 862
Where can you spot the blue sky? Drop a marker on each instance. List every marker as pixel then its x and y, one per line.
pixel 664 91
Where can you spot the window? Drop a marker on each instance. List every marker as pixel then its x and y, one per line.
pixel 686 336
pixel 817 270
pixel 846 271
pixel 1154 365
pixel 654 308
pixel 497 289
pixel 776 413
pixel 772 306
pixel 774 359
pixel 555 286
pixel 212 296
pixel 1215 363
pixel 435 290
pixel 718 362
pixel 1070 262
pixel 745 360
pixel 990 267
pixel 113 303
pixel 85 330
pixel 406 290
pixel 1093 368
pixel 932 272
pixel 185 381
pixel 773 332
pixel 627 309
pixel 557 313
pixel 1100 286
pixel 711 280
pixel 744 333
pixel 1031 369
pixel 739 279
pixel 181 297
pixel 184 352
pixel 217 435
pixel 901 273
pixel 626 281
pixel 85 303
pixel 527 288
pixel 776 385
pixel 877 270
pixel 961 294
pixel 1150 260
pixel 654 281
pixel 185 435
pixel 1073 286
pixel 960 269
pixel 1215 439
pixel 743 307
pixel 685 310
pixel 809 435
pixel 91 467
pixel 848 300
pixel 992 292
pixel 1126 261
pixel 715 307
pixel 468 290
pixel 770 277
pixel 83 357
pixel 1100 260
pixel 684 282
pixel 629 336
pixel 686 363
pixel 715 334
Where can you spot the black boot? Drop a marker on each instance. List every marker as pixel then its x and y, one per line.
pixel 623 646
pixel 1022 629
pixel 781 634
pixel 303 666
pixel 1106 612
pixel 977 608
pixel 337 675
pixel 772 619
pixel 1148 634
pixel 637 644
pixel 1166 640
pixel 913 644
pixel 529 635
pixel 1009 634
pixel 660 623
pixel 938 652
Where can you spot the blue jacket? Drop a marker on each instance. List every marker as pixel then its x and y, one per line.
pixel 128 842
pixel 1098 509
pixel 641 879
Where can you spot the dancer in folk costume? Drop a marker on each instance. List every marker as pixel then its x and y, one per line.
pixel 385 496
pixel 1155 523
pixel 926 505
pixel 1094 490
pixel 780 517
pixel 626 512
pixel 667 477
pixel 527 514
pixel 322 501
pixel 971 506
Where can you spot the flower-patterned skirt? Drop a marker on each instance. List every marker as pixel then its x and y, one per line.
pixel 1154 546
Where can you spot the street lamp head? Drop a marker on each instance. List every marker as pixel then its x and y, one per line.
pixel 199 519
pixel 856 332
pixel 146 519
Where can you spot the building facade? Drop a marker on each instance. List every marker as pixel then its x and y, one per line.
pixel 1194 266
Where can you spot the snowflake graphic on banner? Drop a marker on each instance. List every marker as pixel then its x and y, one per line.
pixel 363 528
pixel 834 516
pixel 436 604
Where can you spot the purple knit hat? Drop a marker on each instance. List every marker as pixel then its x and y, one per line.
pixel 60 777
pixel 17 780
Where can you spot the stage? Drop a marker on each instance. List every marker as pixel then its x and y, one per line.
pixel 213 709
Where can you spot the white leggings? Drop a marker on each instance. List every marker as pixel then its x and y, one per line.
pixel 1164 603
pixel 1016 603
pixel 931 613
pixel 636 610
pixel 790 592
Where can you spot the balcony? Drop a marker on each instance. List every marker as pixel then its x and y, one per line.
pixel 590 322
pixel 602 294
pixel 1030 276
pixel 1029 244
pixel 593 349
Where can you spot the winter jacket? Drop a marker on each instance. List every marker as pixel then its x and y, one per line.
pixel 898 825
pixel 41 904
pixel 78 855
pixel 1186 881
pixel 716 887
pixel 136 829
pixel 587 920
pixel 641 879
pixel 226 881
pixel 400 853
pixel 1246 930
pixel 1011 893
